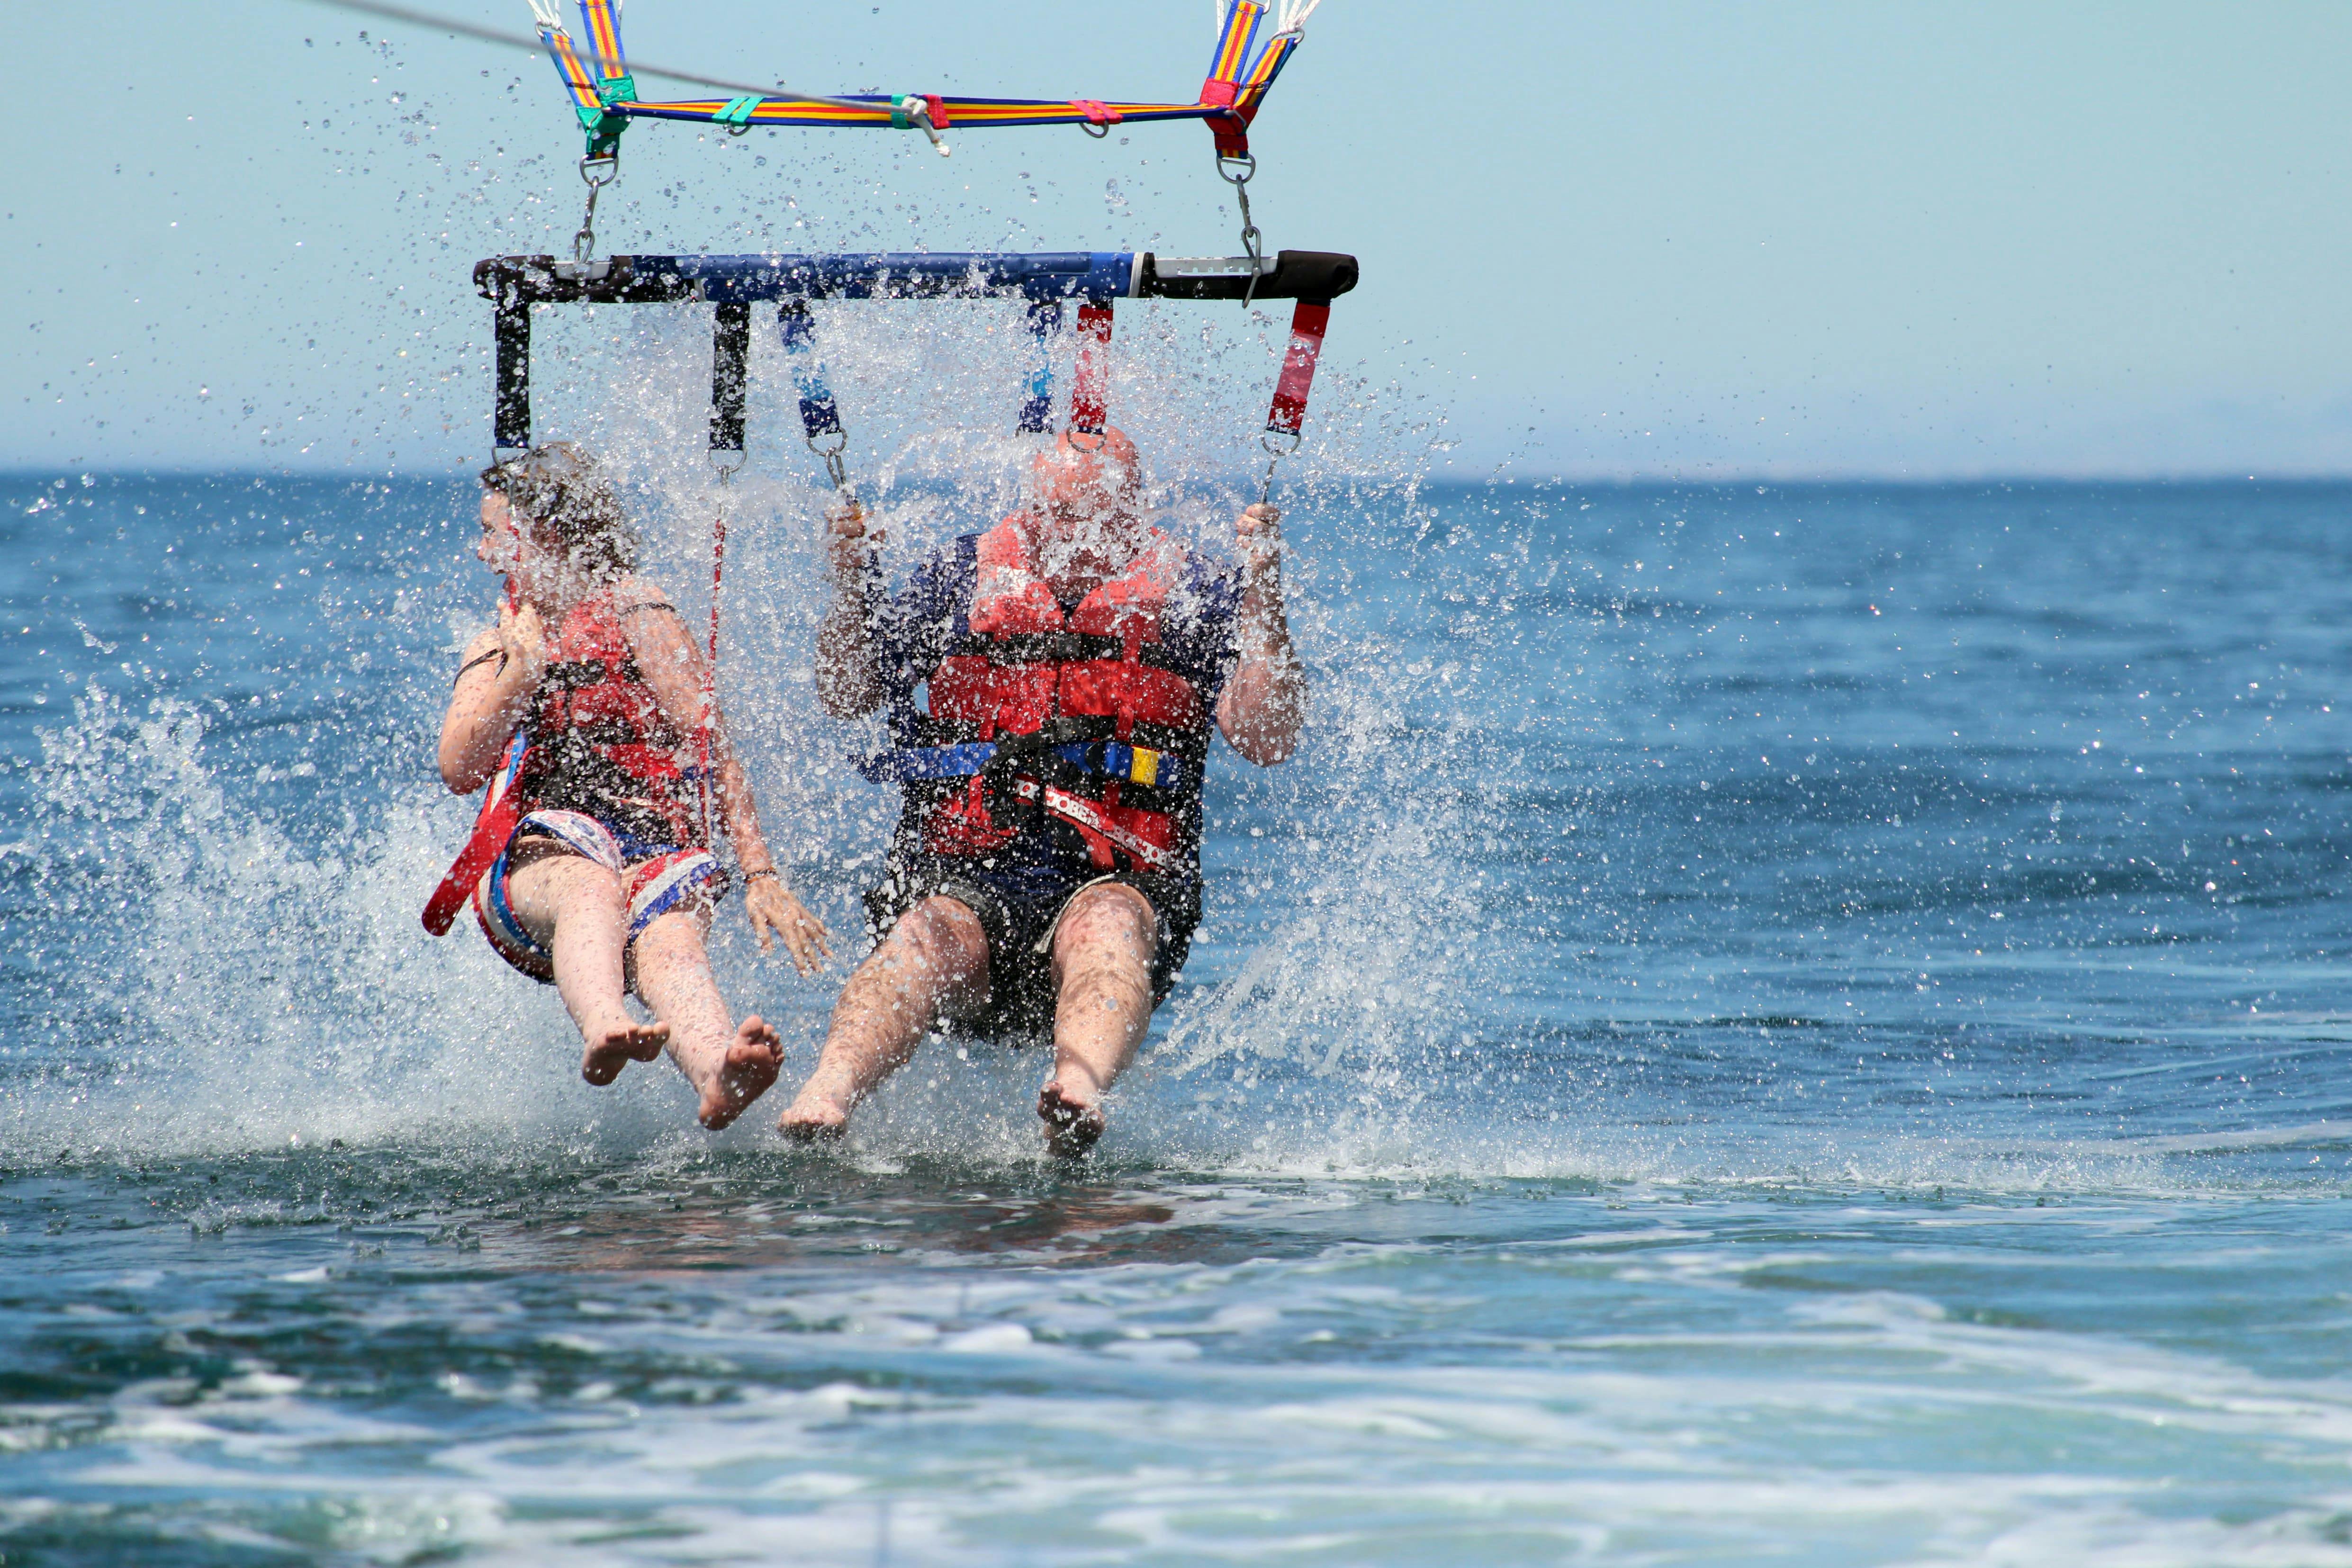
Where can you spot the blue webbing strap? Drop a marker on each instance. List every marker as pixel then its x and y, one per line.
pixel 819 416
pixel 1133 765
pixel 1037 406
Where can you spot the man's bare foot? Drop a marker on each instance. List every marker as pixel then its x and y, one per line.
pixel 1071 1126
pixel 813 1118
pixel 751 1063
pixel 615 1046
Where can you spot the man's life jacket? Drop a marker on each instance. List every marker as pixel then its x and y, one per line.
pixel 594 741
pixel 1067 713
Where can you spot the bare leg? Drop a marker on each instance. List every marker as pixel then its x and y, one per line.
pixel 729 1067
pixel 934 961
pixel 1102 972
pixel 573 907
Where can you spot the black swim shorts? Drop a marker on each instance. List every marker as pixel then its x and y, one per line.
pixel 1019 918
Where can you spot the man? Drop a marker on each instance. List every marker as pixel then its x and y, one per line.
pixel 1050 685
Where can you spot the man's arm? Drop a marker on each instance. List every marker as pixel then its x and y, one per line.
pixel 1264 705
pixel 848 672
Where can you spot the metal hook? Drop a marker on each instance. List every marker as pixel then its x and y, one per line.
pixel 1274 456
pixel 834 470
pixel 1252 240
pixel 583 244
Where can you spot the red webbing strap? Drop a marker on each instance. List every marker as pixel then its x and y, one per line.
pixel 1091 818
pixel 1288 412
pixel 710 705
pixel 1087 386
pixel 492 828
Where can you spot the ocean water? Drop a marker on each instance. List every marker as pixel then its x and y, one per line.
pixel 1767 1024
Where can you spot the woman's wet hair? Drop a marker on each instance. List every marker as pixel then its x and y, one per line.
pixel 561 498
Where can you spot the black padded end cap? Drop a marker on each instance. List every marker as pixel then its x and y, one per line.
pixel 1313 273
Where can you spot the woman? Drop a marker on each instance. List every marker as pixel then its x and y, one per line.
pixel 591 701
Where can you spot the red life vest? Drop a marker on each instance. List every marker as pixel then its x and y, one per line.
pixel 1030 670
pixel 600 743
pixel 596 741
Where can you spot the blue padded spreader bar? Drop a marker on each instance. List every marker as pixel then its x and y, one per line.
pixel 904 275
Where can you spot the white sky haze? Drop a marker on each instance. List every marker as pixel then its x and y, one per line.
pixel 1680 240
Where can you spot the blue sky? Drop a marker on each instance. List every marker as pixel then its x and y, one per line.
pixel 1679 240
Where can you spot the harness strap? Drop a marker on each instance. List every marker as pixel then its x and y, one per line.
pixel 1037 404
pixel 1288 410
pixel 796 330
pixel 731 348
pixel 492 828
pixel 1229 69
pixel 730 352
pixel 1096 820
pixel 1087 387
pixel 1110 759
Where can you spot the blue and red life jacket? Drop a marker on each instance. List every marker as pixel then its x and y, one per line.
pixel 1065 712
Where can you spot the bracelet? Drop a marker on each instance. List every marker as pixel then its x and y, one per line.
pixel 755 875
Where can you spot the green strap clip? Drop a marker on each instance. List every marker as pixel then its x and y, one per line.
pixel 737 111
pixel 602 125
pixel 903 108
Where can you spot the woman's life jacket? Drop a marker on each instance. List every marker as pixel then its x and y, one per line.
pixel 598 740
pixel 595 741
pixel 1071 719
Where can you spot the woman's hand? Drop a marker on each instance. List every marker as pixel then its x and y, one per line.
pixel 775 913
pixel 522 633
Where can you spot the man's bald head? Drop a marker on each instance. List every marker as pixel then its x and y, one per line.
pixel 1087 505
pixel 1084 478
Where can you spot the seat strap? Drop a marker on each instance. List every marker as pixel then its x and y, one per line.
pixel 496 824
pixel 1087 385
pixel 1108 759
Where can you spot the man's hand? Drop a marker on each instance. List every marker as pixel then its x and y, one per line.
pixel 775 913
pixel 1258 532
pixel 1265 700
pixel 847 680
pixel 851 545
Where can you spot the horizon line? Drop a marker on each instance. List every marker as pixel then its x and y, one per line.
pixel 1501 475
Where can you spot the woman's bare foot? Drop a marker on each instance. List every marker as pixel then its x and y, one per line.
pixel 750 1065
pixel 813 1118
pixel 1072 1125
pixel 617 1045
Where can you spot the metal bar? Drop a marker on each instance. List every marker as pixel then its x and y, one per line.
pixel 909 275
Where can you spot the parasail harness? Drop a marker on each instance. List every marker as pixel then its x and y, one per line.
pixel 1066 295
